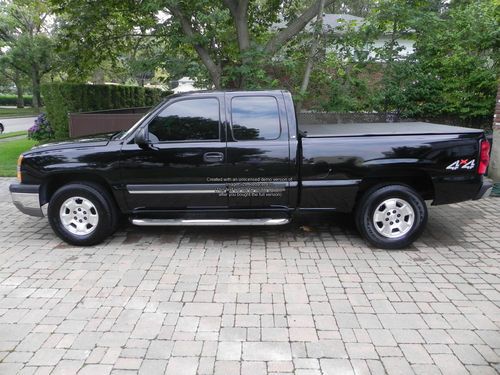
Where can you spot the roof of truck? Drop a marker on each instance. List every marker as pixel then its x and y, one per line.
pixel 382 128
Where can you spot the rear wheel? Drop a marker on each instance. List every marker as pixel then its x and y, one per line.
pixel 82 214
pixel 391 217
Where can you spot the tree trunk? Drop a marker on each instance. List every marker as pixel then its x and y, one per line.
pixel 241 22
pixel 213 69
pixel 243 34
pixel 310 61
pixel 19 90
pixel 35 81
pixel 239 12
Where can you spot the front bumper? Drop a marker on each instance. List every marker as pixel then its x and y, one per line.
pixel 485 190
pixel 27 200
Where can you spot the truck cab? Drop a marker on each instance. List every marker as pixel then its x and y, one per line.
pixel 213 150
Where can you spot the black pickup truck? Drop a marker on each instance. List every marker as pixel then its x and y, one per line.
pixel 240 158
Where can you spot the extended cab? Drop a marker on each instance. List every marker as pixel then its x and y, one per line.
pixel 240 158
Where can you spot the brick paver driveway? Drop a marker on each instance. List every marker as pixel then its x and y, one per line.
pixel 303 300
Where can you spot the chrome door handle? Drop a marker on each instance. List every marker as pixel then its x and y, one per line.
pixel 213 157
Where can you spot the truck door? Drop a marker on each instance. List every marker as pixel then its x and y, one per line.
pixel 258 155
pixel 185 167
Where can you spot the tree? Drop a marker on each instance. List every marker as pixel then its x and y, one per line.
pixel 461 49
pixel 13 76
pixel 198 33
pixel 25 31
pixel 455 66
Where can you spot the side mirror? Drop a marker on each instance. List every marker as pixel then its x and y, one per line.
pixel 141 138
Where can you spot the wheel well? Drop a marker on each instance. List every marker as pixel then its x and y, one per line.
pixel 57 181
pixel 421 183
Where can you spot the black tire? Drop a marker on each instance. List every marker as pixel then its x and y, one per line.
pixel 103 204
pixel 374 199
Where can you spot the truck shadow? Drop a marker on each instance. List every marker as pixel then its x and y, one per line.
pixel 325 226
pixel 447 226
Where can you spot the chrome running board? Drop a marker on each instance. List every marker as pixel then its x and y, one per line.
pixel 203 222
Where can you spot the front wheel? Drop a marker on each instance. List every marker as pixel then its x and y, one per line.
pixel 82 214
pixel 391 217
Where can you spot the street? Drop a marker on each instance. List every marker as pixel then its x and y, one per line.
pixel 17 124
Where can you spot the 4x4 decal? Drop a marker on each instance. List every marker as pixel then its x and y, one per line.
pixel 462 164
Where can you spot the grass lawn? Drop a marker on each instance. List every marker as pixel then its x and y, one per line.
pixel 13 134
pixel 9 152
pixel 15 112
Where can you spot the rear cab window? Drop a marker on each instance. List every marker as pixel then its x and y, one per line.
pixel 255 118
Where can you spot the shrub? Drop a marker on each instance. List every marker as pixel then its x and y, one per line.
pixel 64 98
pixel 41 130
pixel 9 99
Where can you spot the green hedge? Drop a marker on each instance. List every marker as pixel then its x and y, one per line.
pixel 10 99
pixel 63 98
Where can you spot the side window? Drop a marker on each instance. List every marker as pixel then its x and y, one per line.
pixel 255 117
pixel 185 120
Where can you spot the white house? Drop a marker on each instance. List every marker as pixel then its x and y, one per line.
pixel 185 84
pixel 339 23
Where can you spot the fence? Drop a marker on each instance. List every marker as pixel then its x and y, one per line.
pixel 99 122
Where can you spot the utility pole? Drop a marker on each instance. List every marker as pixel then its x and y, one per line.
pixel 318 33
pixel 494 169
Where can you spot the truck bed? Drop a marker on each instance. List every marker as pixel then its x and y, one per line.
pixel 374 129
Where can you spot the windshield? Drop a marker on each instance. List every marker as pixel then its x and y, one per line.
pixel 136 125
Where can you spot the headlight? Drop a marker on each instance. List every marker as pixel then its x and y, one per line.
pixel 19 162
